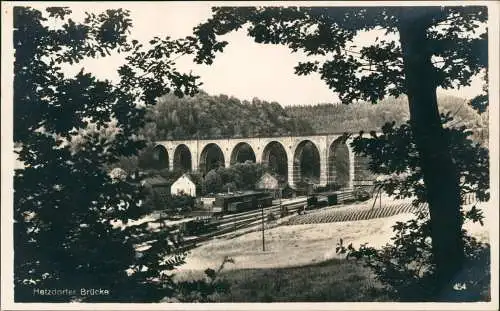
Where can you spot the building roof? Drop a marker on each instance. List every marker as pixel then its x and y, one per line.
pixel 155 181
pixel 186 176
pixel 268 181
pixel 238 194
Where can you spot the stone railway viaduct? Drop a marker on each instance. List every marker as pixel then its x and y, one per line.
pixel 329 151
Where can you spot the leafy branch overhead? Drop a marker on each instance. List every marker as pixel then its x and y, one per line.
pixel 72 226
pixel 394 156
pixel 369 73
pixel 423 48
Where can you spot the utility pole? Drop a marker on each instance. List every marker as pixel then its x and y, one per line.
pixel 281 196
pixel 380 199
pixel 263 241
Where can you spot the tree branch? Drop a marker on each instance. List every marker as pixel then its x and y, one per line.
pixel 351 51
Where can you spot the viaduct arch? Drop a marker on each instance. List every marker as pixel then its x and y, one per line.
pixel 306 163
pixel 160 157
pixel 182 158
pixel 241 153
pixel 321 159
pixel 275 157
pixel 211 157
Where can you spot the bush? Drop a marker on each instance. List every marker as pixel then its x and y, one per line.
pixel 271 217
pixel 361 195
pixel 204 290
pixel 181 203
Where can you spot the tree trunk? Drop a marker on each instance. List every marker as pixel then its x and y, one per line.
pixel 440 175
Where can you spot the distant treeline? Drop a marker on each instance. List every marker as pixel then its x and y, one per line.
pixel 333 118
pixel 221 116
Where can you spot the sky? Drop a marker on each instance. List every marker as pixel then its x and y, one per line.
pixel 245 69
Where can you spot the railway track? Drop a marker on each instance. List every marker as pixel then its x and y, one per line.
pixel 233 222
pixel 228 223
pixel 245 220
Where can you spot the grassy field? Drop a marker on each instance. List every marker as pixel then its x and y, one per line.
pixel 335 280
pixel 300 263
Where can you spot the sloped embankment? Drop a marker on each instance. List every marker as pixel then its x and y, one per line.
pixel 361 213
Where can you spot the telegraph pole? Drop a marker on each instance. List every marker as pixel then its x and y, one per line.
pixel 263 241
pixel 281 196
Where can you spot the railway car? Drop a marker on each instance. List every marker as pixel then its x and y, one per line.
pixel 242 201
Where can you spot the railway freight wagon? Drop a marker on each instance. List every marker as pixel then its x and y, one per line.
pixel 242 201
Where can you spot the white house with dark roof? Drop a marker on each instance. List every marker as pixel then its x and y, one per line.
pixel 183 185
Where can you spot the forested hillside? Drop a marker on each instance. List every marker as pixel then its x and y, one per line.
pixel 333 118
pixel 207 116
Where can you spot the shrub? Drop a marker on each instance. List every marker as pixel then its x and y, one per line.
pixel 181 203
pixel 361 195
pixel 271 217
pixel 204 290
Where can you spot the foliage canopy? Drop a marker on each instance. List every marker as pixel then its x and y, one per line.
pixel 430 47
pixel 65 202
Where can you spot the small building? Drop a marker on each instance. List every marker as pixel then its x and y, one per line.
pixel 158 190
pixel 269 183
pixel 207 202
pixel 183 185
pixel 157 185
pixel 155 182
